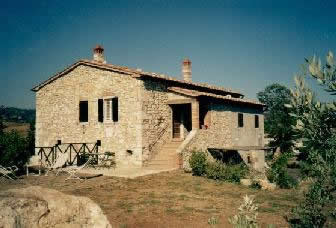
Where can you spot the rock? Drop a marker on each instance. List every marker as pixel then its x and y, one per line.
pixel 246 182
pixel 266 185
pixel 40 207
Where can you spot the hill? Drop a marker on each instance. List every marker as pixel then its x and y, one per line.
pixel 17 115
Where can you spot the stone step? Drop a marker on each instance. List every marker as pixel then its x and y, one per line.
pixel 166 158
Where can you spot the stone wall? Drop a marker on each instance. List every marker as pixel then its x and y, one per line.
pixel 157 116
pixel 156 122
pixel 57 112
pixel 223 130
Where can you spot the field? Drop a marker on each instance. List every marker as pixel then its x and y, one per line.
pixel 170 199
pixel 21 128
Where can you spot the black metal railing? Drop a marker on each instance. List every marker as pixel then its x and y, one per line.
pixel 48 153
pixel 76 152
pixel 159 136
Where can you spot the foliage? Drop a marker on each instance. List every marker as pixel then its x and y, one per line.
pixel 247 215
pixel 11 114
pixel 278 172
pixel 31 138
pixel 198 162
pixel 315 124
pixel 2 126
pixel 277 119
pixel 213 221
pixel 216 170
pixel 13 150
pixel 231 173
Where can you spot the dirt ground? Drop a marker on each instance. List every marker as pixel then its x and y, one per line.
pixel 169 199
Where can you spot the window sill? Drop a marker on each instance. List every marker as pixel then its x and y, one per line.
pixel 83 123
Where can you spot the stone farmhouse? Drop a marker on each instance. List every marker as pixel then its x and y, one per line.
pixel 146 119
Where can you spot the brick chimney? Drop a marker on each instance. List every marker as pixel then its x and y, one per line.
pixel 98 54
pixel 186 70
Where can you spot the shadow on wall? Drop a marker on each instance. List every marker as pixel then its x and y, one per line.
pixel 231 157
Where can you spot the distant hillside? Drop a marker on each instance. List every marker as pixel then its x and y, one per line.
pixel 17 115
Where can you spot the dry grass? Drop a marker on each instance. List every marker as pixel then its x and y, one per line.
pixel 171 199
pixel 21 128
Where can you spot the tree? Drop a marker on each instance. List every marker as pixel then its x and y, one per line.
pixel 31 138
pixel 2 126
pixel 316 124
pixel 277 119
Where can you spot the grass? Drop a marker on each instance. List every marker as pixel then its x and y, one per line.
pixel 171 199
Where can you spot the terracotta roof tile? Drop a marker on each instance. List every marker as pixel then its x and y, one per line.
pixel 134 73
pixel 194 93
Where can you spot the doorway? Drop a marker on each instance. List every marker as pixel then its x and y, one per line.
pixel 181 120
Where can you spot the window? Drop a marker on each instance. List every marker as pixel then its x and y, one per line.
pixel 115 109
pixel 240 120
pixel 256 121
pixel 100 110
pixel 83 111
pixel 111 109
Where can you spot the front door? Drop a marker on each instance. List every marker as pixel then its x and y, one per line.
pixel 176 123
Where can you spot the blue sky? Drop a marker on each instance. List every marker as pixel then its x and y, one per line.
pixel 244 45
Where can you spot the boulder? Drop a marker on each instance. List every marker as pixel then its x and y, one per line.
pixel 246 182
pixel 266 185
pixel 40 207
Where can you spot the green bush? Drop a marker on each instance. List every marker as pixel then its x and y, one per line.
pixel 278 173
pixel 216 170
pixel 13 150
pixel 198 163
pixel 231 173
pixel 312 211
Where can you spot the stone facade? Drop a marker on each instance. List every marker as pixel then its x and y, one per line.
pixel 223 132
pixel 57 112
pixel 145 110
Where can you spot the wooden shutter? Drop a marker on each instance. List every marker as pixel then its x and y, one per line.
pixel 115 109
pixel 100 110
pixel 83 111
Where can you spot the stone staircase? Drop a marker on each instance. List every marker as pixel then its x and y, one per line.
pixel 166 158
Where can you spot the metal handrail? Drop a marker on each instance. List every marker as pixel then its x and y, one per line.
pixel 161 133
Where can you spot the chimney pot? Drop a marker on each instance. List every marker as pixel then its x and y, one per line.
pixel 98 54
pixel 186 70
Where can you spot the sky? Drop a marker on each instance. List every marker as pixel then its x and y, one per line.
pixel 243 45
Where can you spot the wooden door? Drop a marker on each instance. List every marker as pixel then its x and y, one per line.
pixel 176 123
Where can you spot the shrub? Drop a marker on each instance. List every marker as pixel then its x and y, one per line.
pixel 198 163
pixel 311 212
pixel 13 149
pixel 247 215
pixel 278 173
pixel 231 173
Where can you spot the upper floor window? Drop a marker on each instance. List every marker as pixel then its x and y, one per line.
pixel 83 111
pixel 256 121
pixel 240 120
pixel 111 109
